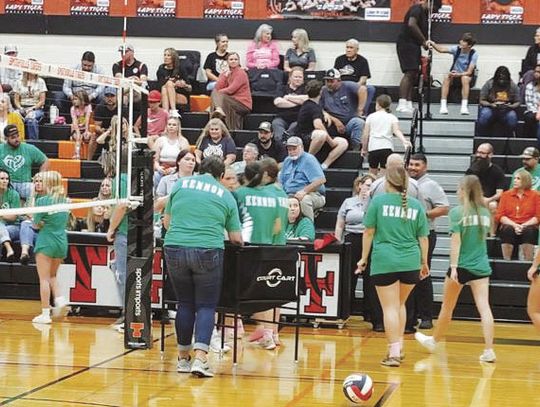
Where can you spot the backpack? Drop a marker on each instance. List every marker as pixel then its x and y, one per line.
pixel 265 82
pixel 475 71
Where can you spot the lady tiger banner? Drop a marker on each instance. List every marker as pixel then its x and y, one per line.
pixel 89 7
pixel 223 9
pixel 23 6
pixel 444 13
pixel 501 11
pixel 156 8
pixel 330 9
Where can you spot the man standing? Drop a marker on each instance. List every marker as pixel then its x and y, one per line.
pixel 355 68
pixel 303 177
pixel 342 114
pixel 18 158
pixel 530 157
pixel 420 302
pixel 268 145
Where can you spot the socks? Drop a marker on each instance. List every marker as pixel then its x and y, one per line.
pixel 394 350
pixel 444 104
pixel 402 102
pixel 46 312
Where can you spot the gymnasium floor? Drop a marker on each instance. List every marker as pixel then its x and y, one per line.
pixel 82 362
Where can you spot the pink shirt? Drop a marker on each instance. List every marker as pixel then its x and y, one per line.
pixel 235 84
pixel 264 56
pixel 157 122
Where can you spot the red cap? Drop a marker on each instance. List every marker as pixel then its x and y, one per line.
pixel 154 96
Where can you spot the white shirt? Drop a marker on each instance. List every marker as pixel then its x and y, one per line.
pixel 380 130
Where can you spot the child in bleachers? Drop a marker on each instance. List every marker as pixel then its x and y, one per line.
pixel 81 112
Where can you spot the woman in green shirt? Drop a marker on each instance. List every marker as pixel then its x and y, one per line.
pixel 9 229
pixel 298 227
pixel 469 264
pixel 51 244
pixel 397 227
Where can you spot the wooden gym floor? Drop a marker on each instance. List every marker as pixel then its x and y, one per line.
pixel 82 362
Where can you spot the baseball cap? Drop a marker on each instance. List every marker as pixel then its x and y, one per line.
pixel 109 90
pixel 10 48
pixel 265 126
pixel 530 152
pixel 129 47
pixel 332 74
pixel 154 96
pixel 294 141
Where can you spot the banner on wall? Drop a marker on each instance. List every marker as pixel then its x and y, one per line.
pixel 24 6
pixel 502 11
pixel 444 14
pixel 377 10
pixel 89 7
pixel 223 9
pixel 156 8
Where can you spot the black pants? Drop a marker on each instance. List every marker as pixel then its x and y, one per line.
pixel 420 301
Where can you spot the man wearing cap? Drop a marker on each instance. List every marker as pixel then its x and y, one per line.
pixel 268 145
pixel 303 177
pixel 339 101
pixel 157 118
pixel 530 157
pixel 105 111
pixel 355 68
pixel 9 77
pixel 129 67
pixel 18 158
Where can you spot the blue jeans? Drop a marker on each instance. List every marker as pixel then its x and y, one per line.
pixel 23 188
pixel 120 264
pixel 9 233
pixel 210 86
pixel 370 95
pixel 31 121
pixel 27 234
pixel 196 276
pixel 354 129
pixel 488 116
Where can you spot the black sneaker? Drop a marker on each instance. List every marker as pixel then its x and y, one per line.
pixel 426 324
pixel 410 330
pixel 378 327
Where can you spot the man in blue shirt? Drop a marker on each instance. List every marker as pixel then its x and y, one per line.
pixel 303 177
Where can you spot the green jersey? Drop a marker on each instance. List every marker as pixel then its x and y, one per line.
pixel 283 210
pixel 535 175
pixel 259 209
pixel 472 229
pixel 19 161
pixel 303 229
pixel 200 209
pixel 52 237
pixel 10 199
pixel 395 243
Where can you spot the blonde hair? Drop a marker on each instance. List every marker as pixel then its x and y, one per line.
pixel 526 179
pixel 206 131
pixel 52 185
pixel 397 178
pixel 303 39
pixel 360 181
pixel 114 130
pixel 472 196
pixel 90 221
pixel 178 122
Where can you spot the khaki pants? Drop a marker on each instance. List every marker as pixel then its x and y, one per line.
pixel 311 203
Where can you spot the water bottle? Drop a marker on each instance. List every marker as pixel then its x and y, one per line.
pixel 53 114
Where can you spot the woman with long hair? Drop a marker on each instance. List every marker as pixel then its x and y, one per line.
pixel 173 82
pixel 167 147
pixel 396 227
pixel 263 52
pixel 97 219
pixel 215 140
pixel 28 233
pixel 51 245
pixel 30 93
pixel 109 141
pixel 299 227
pixel 300 54
pixel 9 229
pixel 9 116
pixel 469 264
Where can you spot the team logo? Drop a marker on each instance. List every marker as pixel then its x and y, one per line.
pixel 274 278
pixel 14 163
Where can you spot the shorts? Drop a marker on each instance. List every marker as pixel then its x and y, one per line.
pixel 509 236
pixel 464 275
pixel 409 56
pixel 456 82
pixel 377 158
pixel 405 277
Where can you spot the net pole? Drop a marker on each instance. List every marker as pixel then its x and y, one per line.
pixel 118 136
pixel 129 144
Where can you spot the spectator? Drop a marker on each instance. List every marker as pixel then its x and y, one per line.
pixel 231 97
pixel 216 62
pixel 129 67
pixel 462 71
pixel 303 177
pixel 81 111
pixel 167 148
pixel 157 119
pixel 491 178
pixel 300 54
pixel 530 157
pixel 105 189
pixel 518 215
pixel 299 227
pixel 355 68
pixel 378 186
pixel 173 81
pixel 250 153
pixel 499 98
pixel 380 128
pixel 532 101
pixel 8 116
pixel 339 101
pixel 292 97
pixel 311 127
pixel 97 219
pixel 532 58
pixel 185 165
pixel 215 140
pixel 109 141
pixel 105 111
pixel 10 77
pixel 18 158
pixel 28 234
pixel 30 93
pixel 229 179
pixel 268 145
pixel 9 228
pixel 263 52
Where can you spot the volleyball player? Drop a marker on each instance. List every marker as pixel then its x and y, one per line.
pixel 51 245
pixel 533 300
pixel 397 228
pixel 469 264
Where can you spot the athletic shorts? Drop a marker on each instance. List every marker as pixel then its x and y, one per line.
pixel 377 158
pixel 509 236
pixel 464 275
pixel 409 56
pixel 405 277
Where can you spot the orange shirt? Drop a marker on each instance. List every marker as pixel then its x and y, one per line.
pixel 518 209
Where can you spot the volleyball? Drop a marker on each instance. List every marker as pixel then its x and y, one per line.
pixel 358 387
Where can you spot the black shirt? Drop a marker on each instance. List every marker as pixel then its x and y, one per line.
pixel 164 74
pixel 216 63
pixel 290 114
pixel 137 68
pixel 352 70
pixel 308 113
pixel 277 150
pixel 104 115
pixel 421 16
pixel 491 179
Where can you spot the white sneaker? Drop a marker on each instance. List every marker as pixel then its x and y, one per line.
pixel 488 356
pixel 267 341
pixel 215 343
pixel 201 368
pixel 60 304
pixel 426 341
pixel 464 110
pixel 184 365
pixel 443 110
pixel 42 319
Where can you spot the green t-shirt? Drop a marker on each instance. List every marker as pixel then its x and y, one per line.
pixel 10 199
pixel 200 209
pixel 535 175
pixel 123 226
pixel 18 161
pixel 259 209
pixel 54 223
pixel 473 229
pixel 283 210
pixel 395 243
pixel 303 229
